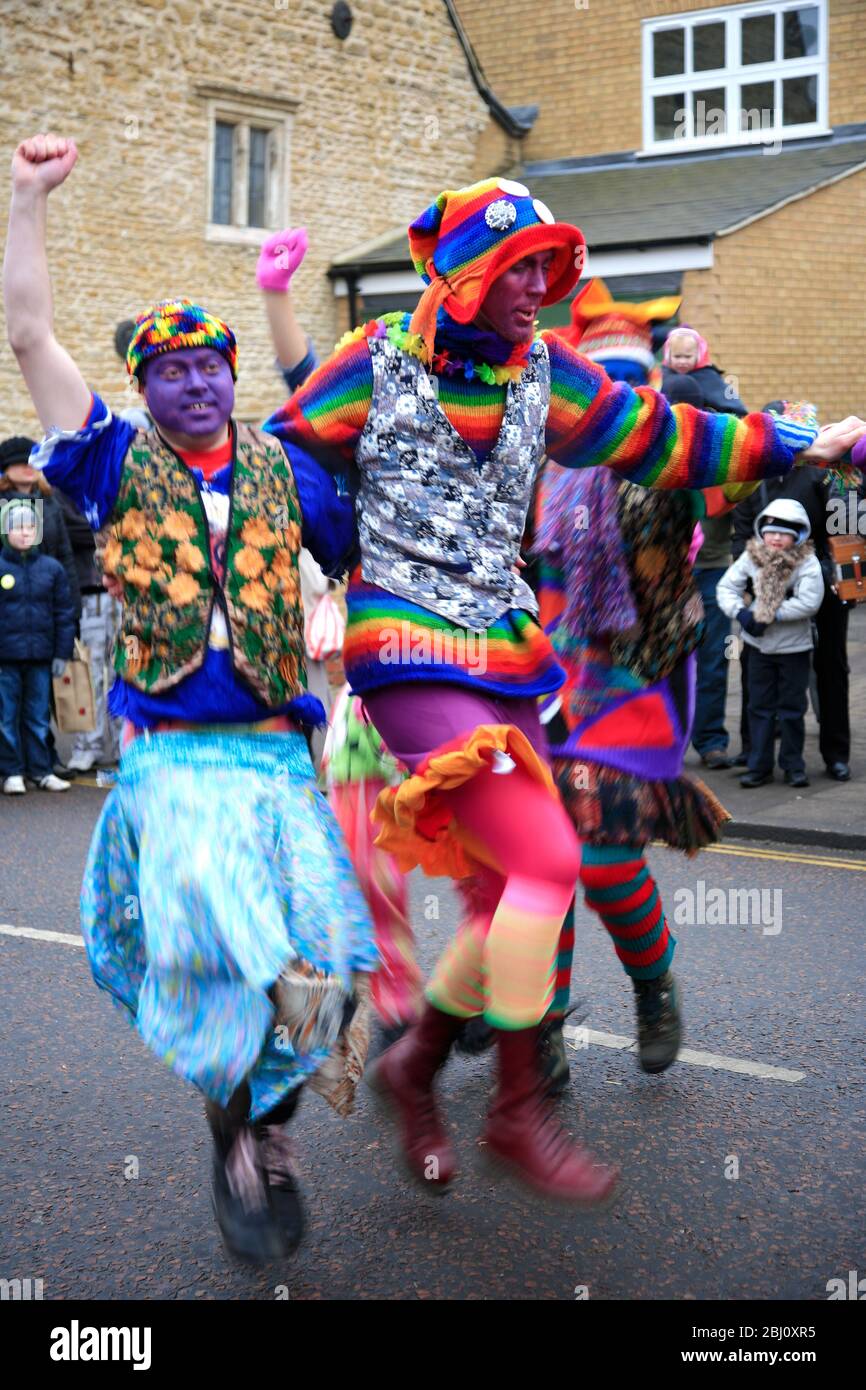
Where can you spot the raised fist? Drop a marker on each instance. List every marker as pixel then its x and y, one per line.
pixel 279 258
pixel 42 162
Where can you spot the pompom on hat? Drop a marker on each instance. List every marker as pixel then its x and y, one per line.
pixel 470 236
pixel 606 329
pixel 178 323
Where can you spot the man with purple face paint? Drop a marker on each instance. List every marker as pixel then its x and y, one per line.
pixel 244 959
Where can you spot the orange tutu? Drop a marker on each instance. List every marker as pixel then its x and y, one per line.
pixel 418 825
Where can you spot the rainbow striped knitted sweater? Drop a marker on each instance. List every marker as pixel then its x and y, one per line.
pixel 591 420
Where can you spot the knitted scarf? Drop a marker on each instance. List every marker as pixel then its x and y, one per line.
pixel 579 526
pixel 775 572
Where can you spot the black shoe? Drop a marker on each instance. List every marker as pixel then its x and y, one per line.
pixel 716 758
pixel 388 1036
pixel 659 1022
pixel 756 779
pixel 553 1057
pixel 797 779
pixel 278 1161
pixel 242 1203
pixel 68 774
pixel 475 1037
pixel 741 760
pixel 840 772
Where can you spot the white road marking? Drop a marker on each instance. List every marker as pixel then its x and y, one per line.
pixel 588 1036
pixel 61 936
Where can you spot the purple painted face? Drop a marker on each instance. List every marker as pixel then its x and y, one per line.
pixel 189 391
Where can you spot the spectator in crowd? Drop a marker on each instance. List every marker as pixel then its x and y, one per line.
pixel 37 632
pixel 687 352
pixel 786 579
pixel 709 735
pixel 819 494
pixel 100 617
pixel 17 480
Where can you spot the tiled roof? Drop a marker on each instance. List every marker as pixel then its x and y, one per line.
pixel 623 201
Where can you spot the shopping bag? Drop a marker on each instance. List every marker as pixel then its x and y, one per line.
pixel 325 630
pixel 74 702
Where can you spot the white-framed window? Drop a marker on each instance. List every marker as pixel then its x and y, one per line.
pixel 247 164
pixel 736 75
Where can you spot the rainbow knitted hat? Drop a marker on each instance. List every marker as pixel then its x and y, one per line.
pixel 178 323
pixel 604 328
pixel 469 236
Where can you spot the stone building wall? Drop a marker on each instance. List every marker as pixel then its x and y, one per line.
pixel 383 121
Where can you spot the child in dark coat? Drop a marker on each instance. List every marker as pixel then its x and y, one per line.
pixel 37 632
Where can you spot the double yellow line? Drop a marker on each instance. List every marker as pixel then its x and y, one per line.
pixel 857 866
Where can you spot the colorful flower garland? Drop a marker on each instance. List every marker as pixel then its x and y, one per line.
pixel 395 327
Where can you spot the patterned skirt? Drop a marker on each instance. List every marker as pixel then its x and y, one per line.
pixel 220 909
pixel 610 807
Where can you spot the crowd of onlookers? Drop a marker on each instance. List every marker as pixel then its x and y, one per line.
pixel 50 592
pixel 767 563
pixel 763 561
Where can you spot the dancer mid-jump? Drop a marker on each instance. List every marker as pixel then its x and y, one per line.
pixel 219 906
pixel 442 639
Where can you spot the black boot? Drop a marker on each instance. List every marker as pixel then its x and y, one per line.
pixel 552 1056
pixel 659 1024
pixel 242 1203
pixel 278 1162
pixel 390 1035
pixel 475 1037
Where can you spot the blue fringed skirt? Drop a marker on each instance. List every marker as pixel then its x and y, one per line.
pixel 220 908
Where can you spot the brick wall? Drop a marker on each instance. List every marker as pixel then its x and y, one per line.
pixel 780 308
pixel 581 61
pixel 385 119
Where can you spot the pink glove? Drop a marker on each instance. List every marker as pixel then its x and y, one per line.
pixel 858 453
pixel 280 257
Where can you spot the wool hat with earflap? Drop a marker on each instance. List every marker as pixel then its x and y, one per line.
pixel 607 329
pixel 470 236
pixel 682 390
pixel 178 323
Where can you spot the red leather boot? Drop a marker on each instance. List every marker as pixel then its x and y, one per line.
pixel 403 1077
pixel 522 1131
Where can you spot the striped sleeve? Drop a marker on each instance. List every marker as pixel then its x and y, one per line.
pixel 593 420
pixel 330 409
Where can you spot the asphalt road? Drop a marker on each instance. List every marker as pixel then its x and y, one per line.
pixel 735 1185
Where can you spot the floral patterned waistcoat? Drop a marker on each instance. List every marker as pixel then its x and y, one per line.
pixel 157 544
pixel 436 526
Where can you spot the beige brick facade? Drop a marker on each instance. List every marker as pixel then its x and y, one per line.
pixel 780 306
pixel 383 121
pixel 580 60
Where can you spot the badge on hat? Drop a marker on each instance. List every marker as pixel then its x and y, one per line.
pixel 500 215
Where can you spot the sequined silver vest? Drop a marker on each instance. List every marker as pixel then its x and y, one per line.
pixel 435 526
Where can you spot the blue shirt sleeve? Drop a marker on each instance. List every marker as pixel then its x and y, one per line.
pixel 328 529
pixel 294 377
pixel 87 464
